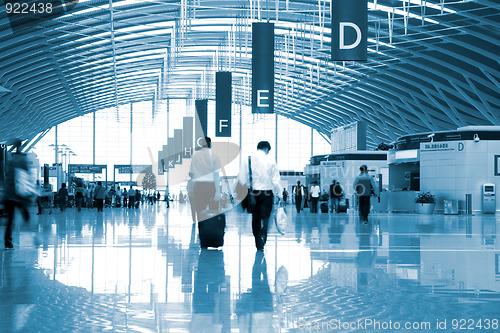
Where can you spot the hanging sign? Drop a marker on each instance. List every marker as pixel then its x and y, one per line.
pixel 349 30
pixel 262 67
pixel 223 99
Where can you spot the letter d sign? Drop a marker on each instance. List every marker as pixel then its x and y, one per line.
pixel 349 30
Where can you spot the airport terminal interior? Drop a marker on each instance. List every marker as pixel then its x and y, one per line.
pixel 105 223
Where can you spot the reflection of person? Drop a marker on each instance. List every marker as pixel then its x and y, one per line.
pixel 204 169
pixel 211 294
pixel 364 185
pixel 366 255
pixel 265 181
pixel 255 309
pixel 12 197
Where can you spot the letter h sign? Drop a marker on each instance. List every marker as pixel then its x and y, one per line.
pixel 349 30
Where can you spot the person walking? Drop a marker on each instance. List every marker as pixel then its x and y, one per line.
pixel 314 193
pixel 205 168
pixel 79 195
pixel 17 164
pixel 298 196
pixel 265 184
pixel 131 198
pixel 99 195
pixel 62 194
pixel 125 197
pixel 336 193
pixel 285 196
pixel 364 186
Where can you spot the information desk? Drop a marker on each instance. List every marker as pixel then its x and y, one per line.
pixel 401 201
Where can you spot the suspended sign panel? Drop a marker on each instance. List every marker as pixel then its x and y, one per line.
pixel 187 137
pixel 262 67
pixel 177 146
pixel 223 100
pixel 200 123
pixel 170 153
pixel 161 165
pixel 349 30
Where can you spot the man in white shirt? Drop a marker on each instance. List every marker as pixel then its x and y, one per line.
pixel 204 171
pixel 265 184
pixel 315 192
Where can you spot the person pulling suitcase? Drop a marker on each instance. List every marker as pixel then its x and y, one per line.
pixel 204 171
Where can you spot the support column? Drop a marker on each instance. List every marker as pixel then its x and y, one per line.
pixel 276 139
pixel 241 129
pixel 168 135
pixel 312 142
pixel 93 143
pixel 131 138
pixel 56 149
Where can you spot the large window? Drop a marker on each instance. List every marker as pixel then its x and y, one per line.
pixel 127 135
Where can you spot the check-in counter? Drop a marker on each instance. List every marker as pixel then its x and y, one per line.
pixel 401 201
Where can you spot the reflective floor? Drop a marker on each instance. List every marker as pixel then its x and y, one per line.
pixel 143 271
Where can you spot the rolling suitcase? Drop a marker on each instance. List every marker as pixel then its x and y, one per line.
pixel 211 229
pixel 342 206
pixel 324 207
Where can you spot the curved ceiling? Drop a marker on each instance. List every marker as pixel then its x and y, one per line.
pixel 432 65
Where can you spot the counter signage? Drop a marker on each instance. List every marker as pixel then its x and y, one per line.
pixel 333 163
pixel 441 146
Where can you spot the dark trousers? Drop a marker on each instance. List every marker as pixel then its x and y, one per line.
pixel 131 202
pixel 298 202
pixel 314 204
pixel 260 217
pixel 100 204
pixel 10 207
pixel 364 207
pixel 79 201
pixel 125 200
pixel 63 203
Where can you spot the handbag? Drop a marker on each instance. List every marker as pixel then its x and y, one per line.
pixel 252 202
pixel 281 220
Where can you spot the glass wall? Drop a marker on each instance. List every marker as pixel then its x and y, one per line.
pixel 134 135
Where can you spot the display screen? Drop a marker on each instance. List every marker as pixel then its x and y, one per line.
pixel 488 189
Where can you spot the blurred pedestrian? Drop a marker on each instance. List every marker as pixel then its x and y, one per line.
pixel 15 190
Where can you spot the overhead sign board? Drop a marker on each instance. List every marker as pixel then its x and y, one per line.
pixel 134 168
pixel 262 67
pixel 86 168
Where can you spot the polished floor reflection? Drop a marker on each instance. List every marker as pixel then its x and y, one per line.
pixel 143 271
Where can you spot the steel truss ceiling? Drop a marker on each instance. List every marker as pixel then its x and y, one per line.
pixel 433 65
